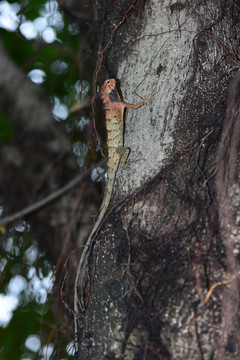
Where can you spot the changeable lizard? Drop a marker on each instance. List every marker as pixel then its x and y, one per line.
pixel 117 154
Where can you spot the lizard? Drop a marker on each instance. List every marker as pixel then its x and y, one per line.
pixel 117 155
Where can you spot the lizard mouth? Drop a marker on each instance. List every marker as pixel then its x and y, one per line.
pixel 111 84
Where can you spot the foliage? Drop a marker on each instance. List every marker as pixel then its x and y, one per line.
pixel 55 64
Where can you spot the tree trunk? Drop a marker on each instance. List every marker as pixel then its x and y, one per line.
pixel 164 267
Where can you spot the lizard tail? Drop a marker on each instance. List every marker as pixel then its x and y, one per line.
pixel 113 164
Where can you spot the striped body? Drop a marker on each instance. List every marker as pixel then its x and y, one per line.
pixel 114 111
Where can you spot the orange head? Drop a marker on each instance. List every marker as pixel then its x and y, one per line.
pixel 108 86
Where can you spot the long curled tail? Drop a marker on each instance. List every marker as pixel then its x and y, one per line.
pixel 82 273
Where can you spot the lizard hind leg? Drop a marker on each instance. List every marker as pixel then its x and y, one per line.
pixel 124 152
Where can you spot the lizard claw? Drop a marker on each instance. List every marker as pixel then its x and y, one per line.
pixel 150 97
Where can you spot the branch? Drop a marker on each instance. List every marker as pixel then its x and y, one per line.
pixel 39 204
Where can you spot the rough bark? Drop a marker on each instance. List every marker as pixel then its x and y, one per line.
pixel 175 234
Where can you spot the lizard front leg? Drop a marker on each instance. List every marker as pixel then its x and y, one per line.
pixel 135 106
pixel 139 104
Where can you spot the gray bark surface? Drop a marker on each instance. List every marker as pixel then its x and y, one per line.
pixel 173 239
pixel 164 268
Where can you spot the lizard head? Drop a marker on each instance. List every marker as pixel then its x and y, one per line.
pixel 108 86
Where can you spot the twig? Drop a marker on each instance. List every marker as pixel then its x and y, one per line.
pixel 224 282
pixel 39 204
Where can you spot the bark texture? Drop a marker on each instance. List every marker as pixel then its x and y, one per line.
pixel 174 237
pixel 165 265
